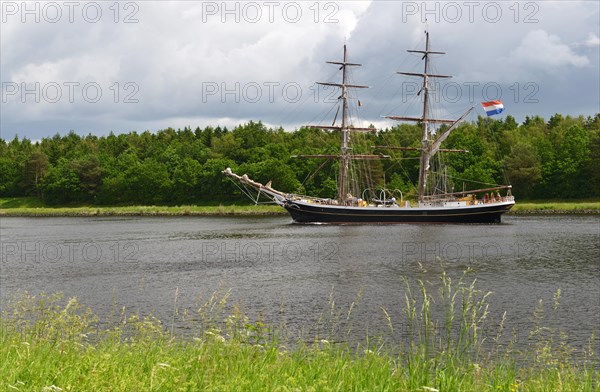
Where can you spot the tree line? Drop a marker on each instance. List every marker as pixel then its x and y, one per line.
pixel 558 158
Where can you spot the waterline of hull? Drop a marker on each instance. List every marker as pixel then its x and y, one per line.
pixel 309 213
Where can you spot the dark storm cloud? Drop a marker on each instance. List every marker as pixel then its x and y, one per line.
pixel 198 64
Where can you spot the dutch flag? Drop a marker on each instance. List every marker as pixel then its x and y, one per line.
pixel 493 107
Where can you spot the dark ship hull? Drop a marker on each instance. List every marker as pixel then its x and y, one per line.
pixel 305 209
pixel 302 212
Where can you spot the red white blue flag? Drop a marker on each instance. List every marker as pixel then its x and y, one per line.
pixel 492 107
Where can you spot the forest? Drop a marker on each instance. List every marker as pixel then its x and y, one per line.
pixel 554 159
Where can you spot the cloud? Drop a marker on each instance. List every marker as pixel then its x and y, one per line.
pixel 168 55
pixel 593 40
pixel 543 51
pixel 176 48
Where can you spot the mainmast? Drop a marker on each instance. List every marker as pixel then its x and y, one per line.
pixel 424 166
pixel 344 161
pixel 426 146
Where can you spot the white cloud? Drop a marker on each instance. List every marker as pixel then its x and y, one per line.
pixel 592 40
pixel 544 51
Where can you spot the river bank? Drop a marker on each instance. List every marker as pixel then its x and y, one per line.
pixel 32 207
pixel 556 207
pixel 50 343
pixel 233 210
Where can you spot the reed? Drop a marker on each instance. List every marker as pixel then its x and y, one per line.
pixel 50 343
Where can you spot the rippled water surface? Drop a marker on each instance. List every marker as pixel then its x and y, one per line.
pixel 287 273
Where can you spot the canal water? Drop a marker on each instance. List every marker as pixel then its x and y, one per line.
pixel 291 274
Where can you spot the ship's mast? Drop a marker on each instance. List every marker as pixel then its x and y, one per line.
pixel 344 161
pixel 426 147
pixel 345 128
pixel 424 166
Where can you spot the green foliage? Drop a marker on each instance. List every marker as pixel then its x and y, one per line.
pixel 186 180
pixel 61 184
pixel 35 168
pixel 563 174
pixel 265 171
pixel 524 168
pixel 557 159
pixel 10 176
pixel 89 173
pixel 213 184
pixel 398 182
pixel 48 343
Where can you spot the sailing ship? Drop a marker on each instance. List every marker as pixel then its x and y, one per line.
pixel 435 205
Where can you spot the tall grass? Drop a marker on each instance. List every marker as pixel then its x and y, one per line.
pixel 219 210
pixel 32 206
pixel 557 206
pixel 48 343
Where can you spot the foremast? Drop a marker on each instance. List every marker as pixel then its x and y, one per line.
pixel 345 128
pixel 428 146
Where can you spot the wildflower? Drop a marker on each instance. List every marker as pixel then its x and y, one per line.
pixel 515 387
pixel 218 337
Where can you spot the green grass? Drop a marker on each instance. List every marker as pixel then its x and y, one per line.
pixel 32 206
pixel 48 344
pixel 587 206
pixel 21 202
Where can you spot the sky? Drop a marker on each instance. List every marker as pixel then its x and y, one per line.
pixel 106 66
